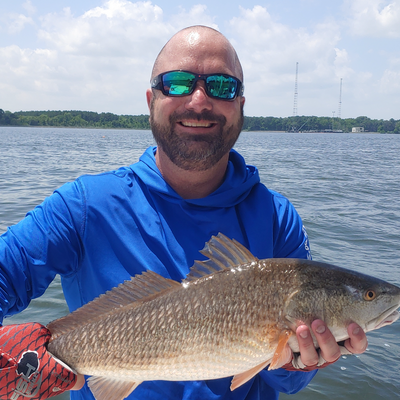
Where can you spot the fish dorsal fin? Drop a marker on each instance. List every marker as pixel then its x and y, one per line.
pixel 223 253
pixel 139 289
pixel 104 388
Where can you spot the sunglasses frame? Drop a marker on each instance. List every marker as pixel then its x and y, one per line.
pixel 157 83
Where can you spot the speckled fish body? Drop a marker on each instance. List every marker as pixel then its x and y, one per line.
pixel 233 315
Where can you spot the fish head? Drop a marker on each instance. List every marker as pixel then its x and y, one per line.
pixel 339 297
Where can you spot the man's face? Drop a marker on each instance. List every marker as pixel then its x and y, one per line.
pixel 196 131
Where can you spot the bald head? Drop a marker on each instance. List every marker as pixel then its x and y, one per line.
pixel 199 49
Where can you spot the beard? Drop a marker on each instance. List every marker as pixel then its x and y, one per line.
pixel 195 152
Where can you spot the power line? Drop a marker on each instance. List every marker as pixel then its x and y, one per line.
pixel 340 101
pixel 295 91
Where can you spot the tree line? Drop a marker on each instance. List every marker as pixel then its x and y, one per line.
pixel 320 124
pixel 78 119
pixel 89 119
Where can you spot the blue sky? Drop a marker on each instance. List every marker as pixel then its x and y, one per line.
pixel 97 55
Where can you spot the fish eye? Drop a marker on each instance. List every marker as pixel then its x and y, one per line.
pixel 369 295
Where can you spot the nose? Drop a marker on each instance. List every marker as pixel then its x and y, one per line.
pixel 198 100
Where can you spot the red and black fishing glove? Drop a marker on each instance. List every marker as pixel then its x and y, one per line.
pixel 27 370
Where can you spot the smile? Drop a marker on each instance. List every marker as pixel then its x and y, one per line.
pixel 197 124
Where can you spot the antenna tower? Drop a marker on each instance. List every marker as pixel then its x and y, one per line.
pixel 295 91
pixel 340 101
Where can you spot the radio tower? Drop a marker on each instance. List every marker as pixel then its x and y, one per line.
pixel 340 100
pixel 295 91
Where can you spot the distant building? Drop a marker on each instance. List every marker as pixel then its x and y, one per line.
pixel 357 129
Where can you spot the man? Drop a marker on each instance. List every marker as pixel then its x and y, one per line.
pixel 156 214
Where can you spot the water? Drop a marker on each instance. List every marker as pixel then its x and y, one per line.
pixel 345 186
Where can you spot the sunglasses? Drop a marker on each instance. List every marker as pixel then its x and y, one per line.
pixel 182 83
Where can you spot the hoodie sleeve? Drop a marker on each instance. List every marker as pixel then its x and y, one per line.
pixel 287 382
pixel 45 243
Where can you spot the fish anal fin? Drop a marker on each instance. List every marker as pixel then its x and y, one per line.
pixel 223 254
pixel 104 388
pixel 241 379
pixel 141 288
pixel 283 352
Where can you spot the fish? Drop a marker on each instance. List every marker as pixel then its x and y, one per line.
pixel 232 316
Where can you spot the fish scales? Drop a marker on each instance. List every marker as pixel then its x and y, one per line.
pixel 224 319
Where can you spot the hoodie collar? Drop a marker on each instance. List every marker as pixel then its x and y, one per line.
pixel 239 180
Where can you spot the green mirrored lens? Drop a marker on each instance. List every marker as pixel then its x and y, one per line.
pixel 178 83
pixel 220 86
pixel 182 83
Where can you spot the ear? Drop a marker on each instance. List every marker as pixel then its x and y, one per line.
pixel 149 97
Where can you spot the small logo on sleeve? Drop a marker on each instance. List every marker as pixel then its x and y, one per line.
pixel 306 244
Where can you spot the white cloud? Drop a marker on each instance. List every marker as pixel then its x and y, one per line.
pixel 126 10
pixel 270 51
pixel 118 28
pixel 24 70
pixel 342 64
pixel 29 7
pixel 389 84
pixel 375 18
pixel 15 23
pixel 197 15
pixel 100 60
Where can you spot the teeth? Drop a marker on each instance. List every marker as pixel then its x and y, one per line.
pixel 196 124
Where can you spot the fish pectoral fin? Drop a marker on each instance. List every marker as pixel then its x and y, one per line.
pixel 104 388
pixel 283 352
pixel 240 379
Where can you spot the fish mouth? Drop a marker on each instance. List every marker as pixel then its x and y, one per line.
pixel 388 317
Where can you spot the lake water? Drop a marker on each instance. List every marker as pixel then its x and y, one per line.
pixel 345 186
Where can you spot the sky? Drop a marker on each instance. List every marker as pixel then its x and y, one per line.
pixel 97 55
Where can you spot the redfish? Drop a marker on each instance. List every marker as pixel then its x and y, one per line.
pixel 233 315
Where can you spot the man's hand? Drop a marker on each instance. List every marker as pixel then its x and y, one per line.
pixel 27 370
pixel 329 351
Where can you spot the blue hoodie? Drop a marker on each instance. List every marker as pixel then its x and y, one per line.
pixel 100 230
